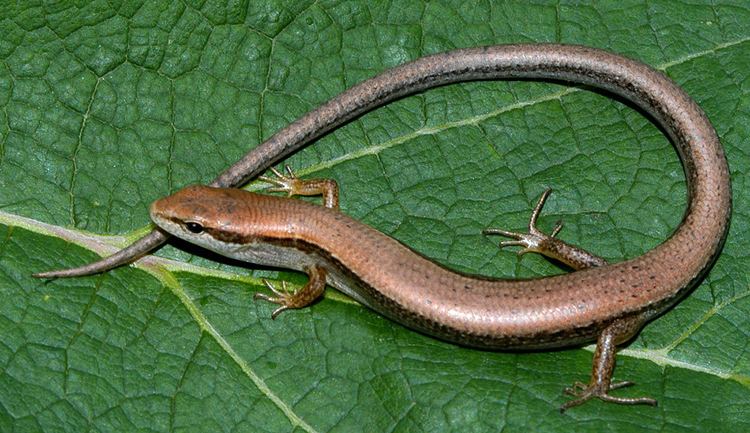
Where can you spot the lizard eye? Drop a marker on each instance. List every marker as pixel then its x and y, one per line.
pixel 194 227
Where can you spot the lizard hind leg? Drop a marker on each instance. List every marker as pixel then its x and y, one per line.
pixel 537 241
pixel 619 331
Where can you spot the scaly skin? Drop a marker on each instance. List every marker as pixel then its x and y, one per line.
pixel 609 302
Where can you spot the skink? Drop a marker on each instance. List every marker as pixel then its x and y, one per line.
pixel 608 303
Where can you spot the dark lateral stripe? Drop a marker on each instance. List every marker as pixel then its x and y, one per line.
pixel 398 313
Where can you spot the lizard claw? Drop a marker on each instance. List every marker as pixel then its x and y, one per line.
pixel 288 183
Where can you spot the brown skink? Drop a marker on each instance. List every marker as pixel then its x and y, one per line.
pixel 608 303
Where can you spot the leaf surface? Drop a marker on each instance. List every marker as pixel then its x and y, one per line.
pixel 106 106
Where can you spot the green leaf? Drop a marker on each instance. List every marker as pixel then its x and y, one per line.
pixel 106 106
